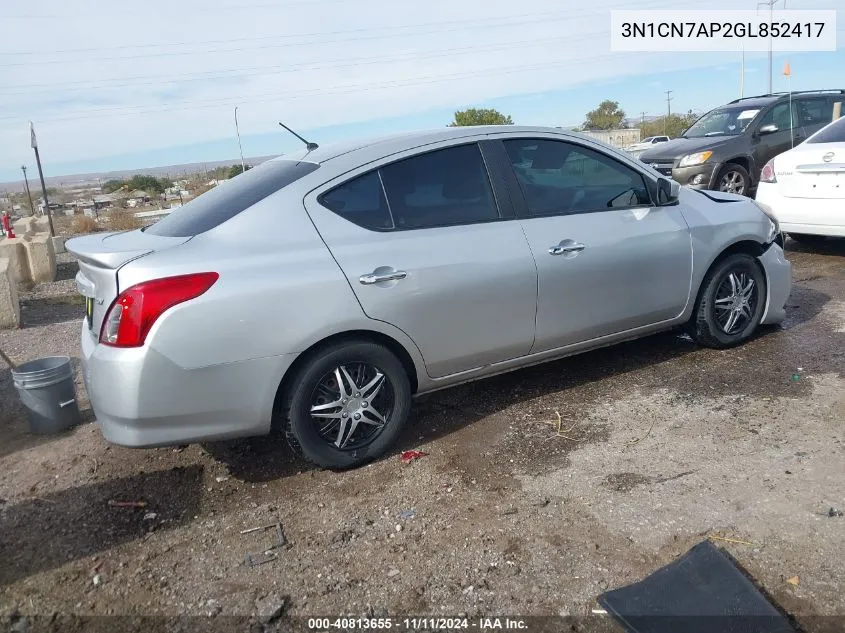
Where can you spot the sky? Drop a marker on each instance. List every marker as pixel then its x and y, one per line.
pixel 128 85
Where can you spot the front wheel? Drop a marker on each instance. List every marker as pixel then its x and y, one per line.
pixel 734 178
pixel 731 302
pixel 347 405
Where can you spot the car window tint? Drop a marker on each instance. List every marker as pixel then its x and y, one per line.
pixel 230 198
pixel 779 116
pixel 439 188
pixel 361 201
pixel 559 178
pixel 833 133
pixel 814 111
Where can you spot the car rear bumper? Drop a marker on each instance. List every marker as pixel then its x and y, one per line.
pixel 813 216
pixel 779 282
pixel 143 399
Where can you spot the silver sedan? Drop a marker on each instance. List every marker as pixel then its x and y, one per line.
pixel 318 293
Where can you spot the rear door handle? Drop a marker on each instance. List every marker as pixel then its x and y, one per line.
pixel 374 278
pixel 562 248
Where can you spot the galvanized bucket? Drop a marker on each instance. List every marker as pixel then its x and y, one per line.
pixel 47 391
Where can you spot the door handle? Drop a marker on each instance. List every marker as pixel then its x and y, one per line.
pixel 374 278
pixel 562 249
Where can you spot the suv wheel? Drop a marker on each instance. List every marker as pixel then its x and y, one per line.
pixel 734 178
pixel 347 405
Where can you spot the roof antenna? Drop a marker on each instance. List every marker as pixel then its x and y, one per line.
pixel 308 145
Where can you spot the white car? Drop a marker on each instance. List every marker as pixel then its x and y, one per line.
pixel 647 143
pixel 804 188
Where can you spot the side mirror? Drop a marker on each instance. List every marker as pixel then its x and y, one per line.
pixel 667 191
pixel 768 129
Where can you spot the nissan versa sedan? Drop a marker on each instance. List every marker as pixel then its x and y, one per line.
pixel 318 293
pixel 805 187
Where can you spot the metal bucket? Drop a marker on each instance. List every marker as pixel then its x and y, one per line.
pixel 47 391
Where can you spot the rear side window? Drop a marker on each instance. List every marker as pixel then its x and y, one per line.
pixel 443 187
pixel 230 198
pixel 814 111
pixel 440 188
pixel 833 133
pixel 361 201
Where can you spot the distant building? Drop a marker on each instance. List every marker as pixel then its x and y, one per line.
pixel 617 138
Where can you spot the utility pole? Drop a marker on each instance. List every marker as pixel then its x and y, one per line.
pixel 28 194
pixel 771 4
pixel 41 176
pixel 668 109
pixel 238 132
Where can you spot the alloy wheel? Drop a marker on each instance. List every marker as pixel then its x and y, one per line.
pixel 735 302
pixel 732 182
pixel 351 405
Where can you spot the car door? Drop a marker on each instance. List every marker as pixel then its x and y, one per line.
pixel 813 113
pixel 426 247
pixel 608 261
pixel 776 133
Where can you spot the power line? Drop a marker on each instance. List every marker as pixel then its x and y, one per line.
pixel 284 68
pixel 275 96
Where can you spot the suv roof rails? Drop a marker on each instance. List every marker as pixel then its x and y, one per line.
pixel 795 92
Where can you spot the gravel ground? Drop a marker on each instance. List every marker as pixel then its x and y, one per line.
pixel 660 445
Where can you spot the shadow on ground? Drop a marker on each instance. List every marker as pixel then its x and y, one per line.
pixel 49 310
pixel 78 522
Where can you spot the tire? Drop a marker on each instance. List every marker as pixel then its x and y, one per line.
pixel 734 178
pixel 709 321
pixel 315 385
pixel 806 238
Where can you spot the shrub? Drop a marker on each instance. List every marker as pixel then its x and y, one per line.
pixel 83 224
pixel 123 221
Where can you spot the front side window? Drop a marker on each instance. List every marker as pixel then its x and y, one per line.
pixel 559 178
pixel 440 188
pixel 778 116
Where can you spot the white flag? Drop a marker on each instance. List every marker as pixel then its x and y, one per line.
pixel 32 134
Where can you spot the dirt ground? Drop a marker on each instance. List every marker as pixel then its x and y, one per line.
pixel 660 445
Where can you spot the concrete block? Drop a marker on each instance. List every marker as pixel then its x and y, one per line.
pixel 24 226
pixel 58 244
pixel 42 257
pixel 10 309
pixel 41 224
pixel 14 250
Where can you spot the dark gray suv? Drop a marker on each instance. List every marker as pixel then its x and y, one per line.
pixel 727 147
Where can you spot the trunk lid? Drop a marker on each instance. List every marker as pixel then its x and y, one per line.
pixel 100 256
pixel 813 171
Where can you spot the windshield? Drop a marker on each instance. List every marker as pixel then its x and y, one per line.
pixel 833 133
pixel 722 122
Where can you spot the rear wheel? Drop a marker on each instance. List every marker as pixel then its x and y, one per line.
pixel 347 405
pixel 731 302
pixel 734 178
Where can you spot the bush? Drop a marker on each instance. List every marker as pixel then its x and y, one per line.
pixel 123 221
pixel 83 224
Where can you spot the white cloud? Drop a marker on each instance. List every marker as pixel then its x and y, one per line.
pixel 169 73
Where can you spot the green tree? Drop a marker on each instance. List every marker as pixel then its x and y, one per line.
pixel 671 126
pixel 480 116
pixel 608 116
pixel 112 185
pixel 150 184
pixel 234 170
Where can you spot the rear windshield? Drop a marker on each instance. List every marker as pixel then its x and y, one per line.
pixel 230 198
pixel 833 133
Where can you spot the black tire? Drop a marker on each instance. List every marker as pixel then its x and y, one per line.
pixel 806 238
pixel 734 178
pixel 706 325
pixel 315 377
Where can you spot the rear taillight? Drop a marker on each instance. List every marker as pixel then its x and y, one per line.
pixel 130 317
pixel 768 173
